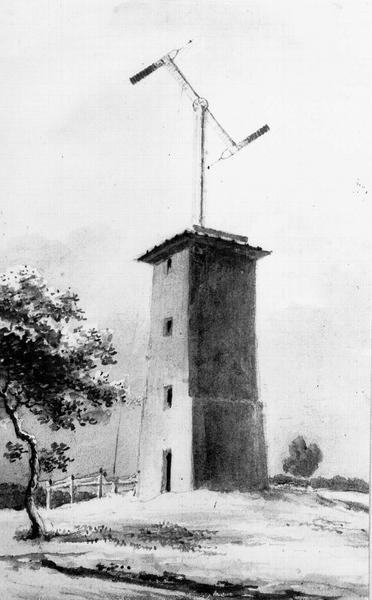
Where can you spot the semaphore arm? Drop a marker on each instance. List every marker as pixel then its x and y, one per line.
pixel 202 113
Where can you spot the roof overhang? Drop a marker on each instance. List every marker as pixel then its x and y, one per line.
pixel 236 244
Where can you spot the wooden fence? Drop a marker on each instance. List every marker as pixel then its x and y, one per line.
pixel 97 483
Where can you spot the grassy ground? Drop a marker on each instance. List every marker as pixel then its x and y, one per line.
pixel 295 540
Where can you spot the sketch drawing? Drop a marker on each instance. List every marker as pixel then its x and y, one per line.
pixel 179 418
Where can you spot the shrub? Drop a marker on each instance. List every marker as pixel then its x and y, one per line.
pixel 341 484
pixel 303 459
pixel 40 496
pixel 281 479
pixel 12 495
pixel 336 483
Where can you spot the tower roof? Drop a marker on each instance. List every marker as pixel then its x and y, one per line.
pixel 202 235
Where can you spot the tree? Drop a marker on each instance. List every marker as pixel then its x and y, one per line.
pixel 48 367
pixel 303 460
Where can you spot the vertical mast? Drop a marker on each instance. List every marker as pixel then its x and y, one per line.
pixel 200 106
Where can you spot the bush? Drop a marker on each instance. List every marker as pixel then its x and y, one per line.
pixel 336 483
pixel 12 495
pixel 40 496
pixel 303 459
pixel 281 479
pixel 341 484
pixel 60 497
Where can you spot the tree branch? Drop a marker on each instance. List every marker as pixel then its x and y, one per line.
pixel 6 386
pixel 20 433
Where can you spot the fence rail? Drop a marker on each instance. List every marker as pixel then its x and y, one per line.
pixel 97 481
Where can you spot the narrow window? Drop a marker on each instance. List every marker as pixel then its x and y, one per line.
pixel 169 265
pixel 168 396
pixel 168 326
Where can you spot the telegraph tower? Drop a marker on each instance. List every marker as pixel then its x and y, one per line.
pixel 202 421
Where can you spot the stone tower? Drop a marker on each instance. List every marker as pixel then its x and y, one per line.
pixel 202 421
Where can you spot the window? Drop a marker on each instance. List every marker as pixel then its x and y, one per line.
pixel 168 396
pixel 168 326
pixel 168 266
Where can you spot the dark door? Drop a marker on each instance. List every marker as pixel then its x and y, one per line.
pixel 167 471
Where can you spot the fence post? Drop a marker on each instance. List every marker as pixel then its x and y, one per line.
pixel 114 486
pixel 100 482
pixel 48 493
pixel 72 488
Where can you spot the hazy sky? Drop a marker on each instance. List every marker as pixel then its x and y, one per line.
pixel 94 171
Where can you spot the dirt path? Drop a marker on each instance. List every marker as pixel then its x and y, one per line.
pixel 25 582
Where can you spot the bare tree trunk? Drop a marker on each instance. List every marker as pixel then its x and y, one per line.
pixel 37 526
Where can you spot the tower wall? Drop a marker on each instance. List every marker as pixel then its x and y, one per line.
pixel 213 435
pixel 228 438
pixel 229 450
pixel 164 428
pixel 222 338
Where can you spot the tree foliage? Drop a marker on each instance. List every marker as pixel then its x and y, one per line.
pixel 14 451
pixel 303 460
pixel 50 366
pixel 55 457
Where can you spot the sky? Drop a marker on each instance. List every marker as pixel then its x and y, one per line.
pixel 94 171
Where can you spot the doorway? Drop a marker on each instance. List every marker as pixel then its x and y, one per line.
pixel 167 471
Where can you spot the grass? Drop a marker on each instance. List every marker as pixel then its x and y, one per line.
pixel 146 538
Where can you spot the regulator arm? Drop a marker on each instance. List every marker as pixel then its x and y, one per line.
pixel 168 61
